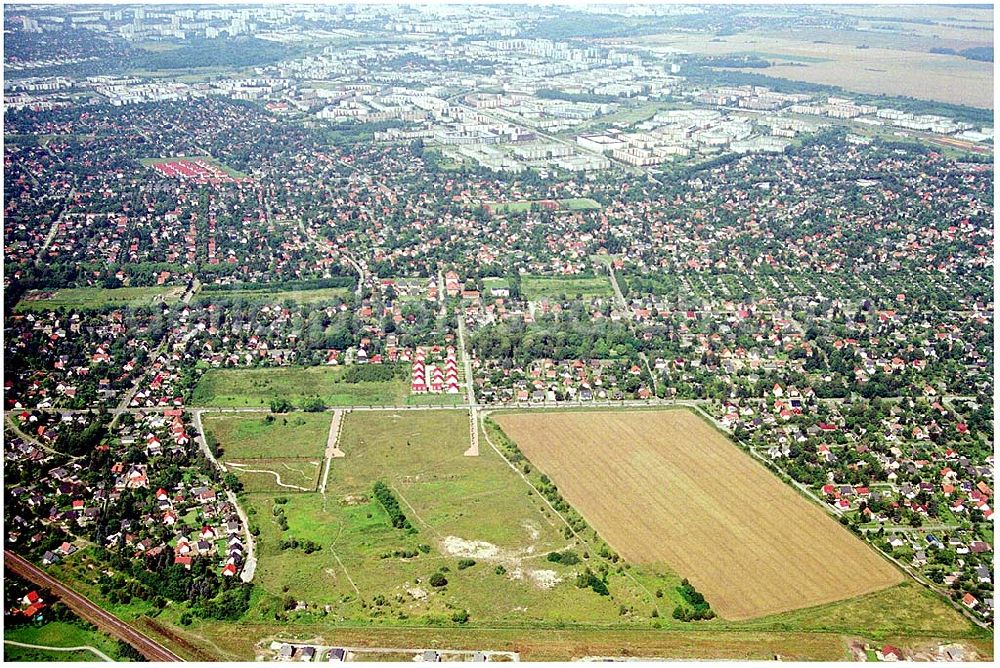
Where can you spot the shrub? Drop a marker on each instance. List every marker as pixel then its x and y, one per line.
pixel 438 580
pixel 465 563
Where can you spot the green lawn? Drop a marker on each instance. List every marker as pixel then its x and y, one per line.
pixel 290 435
pixel 298 296
pixel 579 203
pixel 491 282
pixel 435 399
pixel 256 387
pixel 58 634
pixel 92 298
pixel 449 499
pixel 536 287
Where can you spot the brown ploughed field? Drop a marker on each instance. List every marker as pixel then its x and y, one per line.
pixel 665 487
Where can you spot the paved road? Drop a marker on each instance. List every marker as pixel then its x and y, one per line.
pixel 83 607
pixel 30 439
pixel 250 564
pixel 51 236
pixel 82 648
pixel 473 450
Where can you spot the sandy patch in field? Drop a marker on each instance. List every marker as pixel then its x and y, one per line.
pixel 476 549
pixel 354 500
pixel 545 579
pixel 532 530
pixel 417 593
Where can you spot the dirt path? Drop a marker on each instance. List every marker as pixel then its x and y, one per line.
pixel 83 648
pixel 332 450
pixel 277 476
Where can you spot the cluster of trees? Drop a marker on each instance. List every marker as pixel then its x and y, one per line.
pixel 307 546
pixel 590 579
pixel 388 500
pixel 982 53
pixel 567 557
pixel 220 52
pixel 697 607
pixel 373 373
pixel 731 60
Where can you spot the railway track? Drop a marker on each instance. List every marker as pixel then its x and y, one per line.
pixel 86 609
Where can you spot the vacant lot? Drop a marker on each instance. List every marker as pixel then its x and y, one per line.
pixel 92 298
pixel 289 435
pixel 536 287
pixel 571 204
pixel 460 508
pixel 271 453
pixel 298 296
pixel 277 475
pixel 665 486
pixel 257 387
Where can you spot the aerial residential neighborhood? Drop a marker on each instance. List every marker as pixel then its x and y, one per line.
pixel 374 332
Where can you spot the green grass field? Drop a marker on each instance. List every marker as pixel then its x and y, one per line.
pixel 298 296
pixel 93 298
pixel 536 287
pixel 256 387
pixel 58 634
pixel 271 453
pixel 572 204
pixel 579 204
pixel 291 435
pixel 452 502
pixel 281 475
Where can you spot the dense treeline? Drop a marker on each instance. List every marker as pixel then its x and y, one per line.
pixel 388 500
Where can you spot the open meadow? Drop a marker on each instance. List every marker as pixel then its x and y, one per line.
pixel 665 486
pixel 95 298
pixel 257 387
pixel 537 287
pixel 310 296
pixel 271 453
pixel 471 520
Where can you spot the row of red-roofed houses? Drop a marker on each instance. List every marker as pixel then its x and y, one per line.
pixel 429 377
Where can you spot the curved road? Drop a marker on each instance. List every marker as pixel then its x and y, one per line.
pixel 82 606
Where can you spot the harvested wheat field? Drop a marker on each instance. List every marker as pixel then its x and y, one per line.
pixel 663 486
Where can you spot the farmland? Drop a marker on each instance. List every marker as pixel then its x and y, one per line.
pixel 257 387
pixel 537 287
pixel 866 62
pixel 677 491
pixel 95 298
